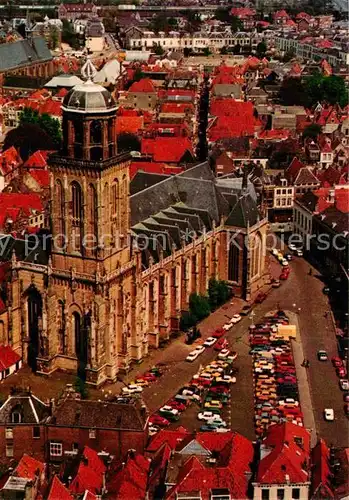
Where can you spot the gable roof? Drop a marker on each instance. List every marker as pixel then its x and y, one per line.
pixel 167 149
pixel 285 455
pixel 169 437
pixel 33 410
pixel 131 481
pixel 244 212
pixel 9 160
pixel 8 357
pixel 90 473
pixel 37 159
pixel 58 491
pixel 29 468
pixel 129 124
pixel 305 176
pixel 23 52
pixel 143 85
pixel 321 472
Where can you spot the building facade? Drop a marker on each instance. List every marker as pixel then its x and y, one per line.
pixel 118 271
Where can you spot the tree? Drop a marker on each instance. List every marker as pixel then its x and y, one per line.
pixel 261 49
pixel 206 51
pixel 172 23
pixel 313 130
pixel 236 24
pixel 128 142
pixel 330 89
pixel 237 49
pixel 187 51
pixel 46 122
pixel 27 139
pixel 157 49
pixel 224 51
pixel 68 35
pixel 159 23
pixel 80 387
pixel 292 92
pixel 199 306
pixel 222 14
pixel 218 293
pixel 53 40
pixel 289 54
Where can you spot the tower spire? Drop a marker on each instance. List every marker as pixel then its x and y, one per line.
pixel 88 70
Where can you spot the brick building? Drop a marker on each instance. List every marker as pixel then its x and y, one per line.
pixel 122 268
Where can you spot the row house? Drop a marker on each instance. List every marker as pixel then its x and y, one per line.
pixel 54 431
pixel 336 56
pixel 72 11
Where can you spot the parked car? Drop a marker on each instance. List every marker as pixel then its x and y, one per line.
pixel 153 429
pixel 218 333
pixel 276 283
pixel 227 326
pixel 344 384
pixel 336 361
pixel 192 356
pixel 177 405
pixel 213 404
pixel 223 354
pixel 210 341
pixel 200 349
pixel 288 256
pixel 221 344
pixel 208 415
pixel 260 297
pixel 322 355
pixel 246 310
pixel 141 382
pixel 341 372
pixel 329 414
pixel 132 389
pixel 158 420
pixel 169 413
pixel 235 319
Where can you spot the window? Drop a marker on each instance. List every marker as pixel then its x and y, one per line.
pixel 56 449
pixel 36 432
pixel 280 494
pixel 9 433
pixel 92 433
pixel 16 417
pixel 9 450
pixel 296 493
pixel 265 494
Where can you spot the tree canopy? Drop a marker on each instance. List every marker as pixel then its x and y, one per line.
pixel 27 139
pixel 313 130
pixel 331 89
pixel 46 122
pixel 261 49
pixel 292 92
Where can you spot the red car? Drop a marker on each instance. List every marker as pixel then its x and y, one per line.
pixel 177 405
pixel 221 344
pixel 217 334
pixel 200 381
pixel 336 361
pixel 260 297
pixel 157 420
pixel 149 377
pixel 341 372
pixel 219 389
pixel 283 276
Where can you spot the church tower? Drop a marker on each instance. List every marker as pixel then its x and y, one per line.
pixel 92 278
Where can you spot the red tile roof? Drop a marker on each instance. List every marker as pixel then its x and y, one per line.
pixel 280 14
pixel 144 85
pixel 129 124
pixel 234 119
pixel 166 149
pixel 58 491
pixel 51 107
pixel 242 12
pixel 8 357
pixel 321 472
pixel 62 92
pixel 274 134
pixel 131 481
pixel 29 468
pixel 37 159
pixel 303 15
pixel 9 160
pixel 174 107
pixel 285 460
pixel 171 438
pixel 42 177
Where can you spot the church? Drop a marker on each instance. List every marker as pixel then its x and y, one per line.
pixel 115 274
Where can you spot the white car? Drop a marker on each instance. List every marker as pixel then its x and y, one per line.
pixel 132 389
pixel 192 356
pixel 329 414
pixel 220 423
pixel 235 319
pixel 299 252
pixel 275 251
pixel 288 401
pixel 226 379
pixel 284 262
pixel 227 326
pixel 208 415
pixel 344 384
pixel 210 341
pixel 292 247
pixel 169 409
pixel 186 393
pixel 223 354
pixel 200 349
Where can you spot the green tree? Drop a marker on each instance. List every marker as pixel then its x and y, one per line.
pixel 54 38
pixel 187 51
pixel 237 49
pixel 157 49
pixel 128 142
pixel 80 387
pixel 330 89
pixel 206 51
pixel 159 23
pixel 199 306
pixel 29 115
pixel 224 51
pixel 172 23
pixel 261 49
pixel 313 130
pixel 236 24
pixel 218 293
pixel 52 127
pixel 292 92
pixel 222 14
pixel 68 34
pixel 28 138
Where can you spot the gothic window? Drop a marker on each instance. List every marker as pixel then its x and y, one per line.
pixel 233 266
pixel 77 219
pixel 115 197
pixel 256 248
pixel 61 328
pixel 106 203
pixel 124 203
pixel 92 217
pixel 59 195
